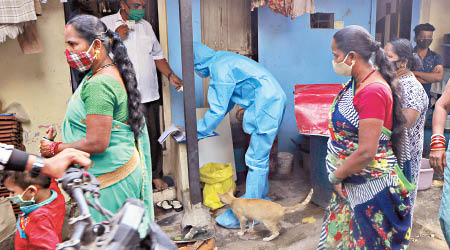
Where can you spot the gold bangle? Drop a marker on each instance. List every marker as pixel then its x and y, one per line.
pixel 437 149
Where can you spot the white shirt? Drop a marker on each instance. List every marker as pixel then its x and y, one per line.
pixel 143 49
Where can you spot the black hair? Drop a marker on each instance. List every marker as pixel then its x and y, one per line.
pixel 423 27
pixel 356 38
pixel 405 52
pixel 24 179
pixel 91 28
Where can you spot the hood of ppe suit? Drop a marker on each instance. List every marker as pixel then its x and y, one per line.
pixel 203 58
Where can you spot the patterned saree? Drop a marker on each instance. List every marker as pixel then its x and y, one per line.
pixel 376 212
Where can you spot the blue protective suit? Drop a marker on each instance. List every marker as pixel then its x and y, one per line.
pixel 236 79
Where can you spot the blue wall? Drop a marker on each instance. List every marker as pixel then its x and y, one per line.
pixel 297 54
pixel 173 27
pixel 290 49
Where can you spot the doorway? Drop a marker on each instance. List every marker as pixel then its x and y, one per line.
pixel 231 26
pixel 393 20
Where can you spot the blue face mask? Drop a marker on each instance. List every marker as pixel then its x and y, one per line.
pixel 19 200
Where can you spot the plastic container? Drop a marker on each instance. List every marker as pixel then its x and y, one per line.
pixel 425 175
pixel 285 162
pixel 319 175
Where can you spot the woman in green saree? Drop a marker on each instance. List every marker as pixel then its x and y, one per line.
pixel 103 116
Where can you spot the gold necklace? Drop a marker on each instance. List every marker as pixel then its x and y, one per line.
pixel 102 67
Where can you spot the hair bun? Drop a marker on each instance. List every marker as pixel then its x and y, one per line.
pixel 376 46
pixel 109 33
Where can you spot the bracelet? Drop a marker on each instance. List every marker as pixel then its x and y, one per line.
pixel 57 147
pixel 333 180
pixel 437 149
pixel 443 141
pixel 434 143
pixel 47 139
pixel 54 148
pixel 169 75
pixel 437 135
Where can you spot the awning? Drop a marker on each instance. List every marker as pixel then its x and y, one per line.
pixel 312 107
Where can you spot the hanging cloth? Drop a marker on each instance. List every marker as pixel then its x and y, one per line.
pixel 292 8
pixel 258 3
pixel 37 7
pixel 13 16
pixel 300 7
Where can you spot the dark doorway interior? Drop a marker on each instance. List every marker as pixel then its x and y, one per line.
pixel 393 20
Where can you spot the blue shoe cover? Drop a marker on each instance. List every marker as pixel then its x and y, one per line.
pixel 257 187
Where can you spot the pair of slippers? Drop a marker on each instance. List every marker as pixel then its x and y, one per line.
pixel 167 205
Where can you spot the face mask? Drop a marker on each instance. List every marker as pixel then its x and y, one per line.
pixel 342 68
pixel 20 202
pixel 136 14
pixel 80 61
pixel 395 64
pixel 424 43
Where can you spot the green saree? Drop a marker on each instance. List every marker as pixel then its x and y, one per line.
pixel 120 150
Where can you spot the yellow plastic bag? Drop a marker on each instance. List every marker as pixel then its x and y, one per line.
pixel 218 178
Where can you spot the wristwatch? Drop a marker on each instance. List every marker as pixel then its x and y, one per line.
pixel 38 164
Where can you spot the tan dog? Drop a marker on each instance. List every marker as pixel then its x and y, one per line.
pixel 267 212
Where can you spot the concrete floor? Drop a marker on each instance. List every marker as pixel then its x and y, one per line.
pixel 296 235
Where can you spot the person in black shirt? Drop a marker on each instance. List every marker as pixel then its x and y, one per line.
pixel 433 69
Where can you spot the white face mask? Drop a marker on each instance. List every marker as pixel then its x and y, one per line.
pixel 342 68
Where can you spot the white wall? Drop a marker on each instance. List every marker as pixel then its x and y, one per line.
pixel 40 82
pixel 436 12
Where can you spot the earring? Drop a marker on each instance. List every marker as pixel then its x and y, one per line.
pixel 97 53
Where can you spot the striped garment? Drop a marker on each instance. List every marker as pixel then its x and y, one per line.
pixel 375 213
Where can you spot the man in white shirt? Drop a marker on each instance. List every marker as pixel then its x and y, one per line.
pixel 146 55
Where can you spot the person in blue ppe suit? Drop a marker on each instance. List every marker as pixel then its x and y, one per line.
pixel 236 79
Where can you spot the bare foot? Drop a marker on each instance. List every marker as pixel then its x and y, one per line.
pixel 159 184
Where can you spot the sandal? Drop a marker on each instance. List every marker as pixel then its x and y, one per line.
pixel 165 205
pixel 176 205
pixel 193 235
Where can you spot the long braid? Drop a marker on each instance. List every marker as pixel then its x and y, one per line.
pixel 388 72
pixel 91 28
pixel 128 74
pixel 356 38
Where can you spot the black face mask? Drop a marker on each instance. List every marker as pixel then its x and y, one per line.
pixel 395 64
pixel 424 43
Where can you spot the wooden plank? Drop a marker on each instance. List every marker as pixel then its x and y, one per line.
pixel 238 26
pixel 169 152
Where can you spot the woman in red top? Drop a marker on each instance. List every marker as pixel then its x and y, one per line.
pixel 369 208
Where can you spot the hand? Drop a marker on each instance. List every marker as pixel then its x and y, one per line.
pixel 51 132
pixel 45 148
pixel 338 190
pixel 57 165
pixel 175 81
pixel 438 160
pixel 123 31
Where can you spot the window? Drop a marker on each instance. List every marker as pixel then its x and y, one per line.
pixel 322 21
